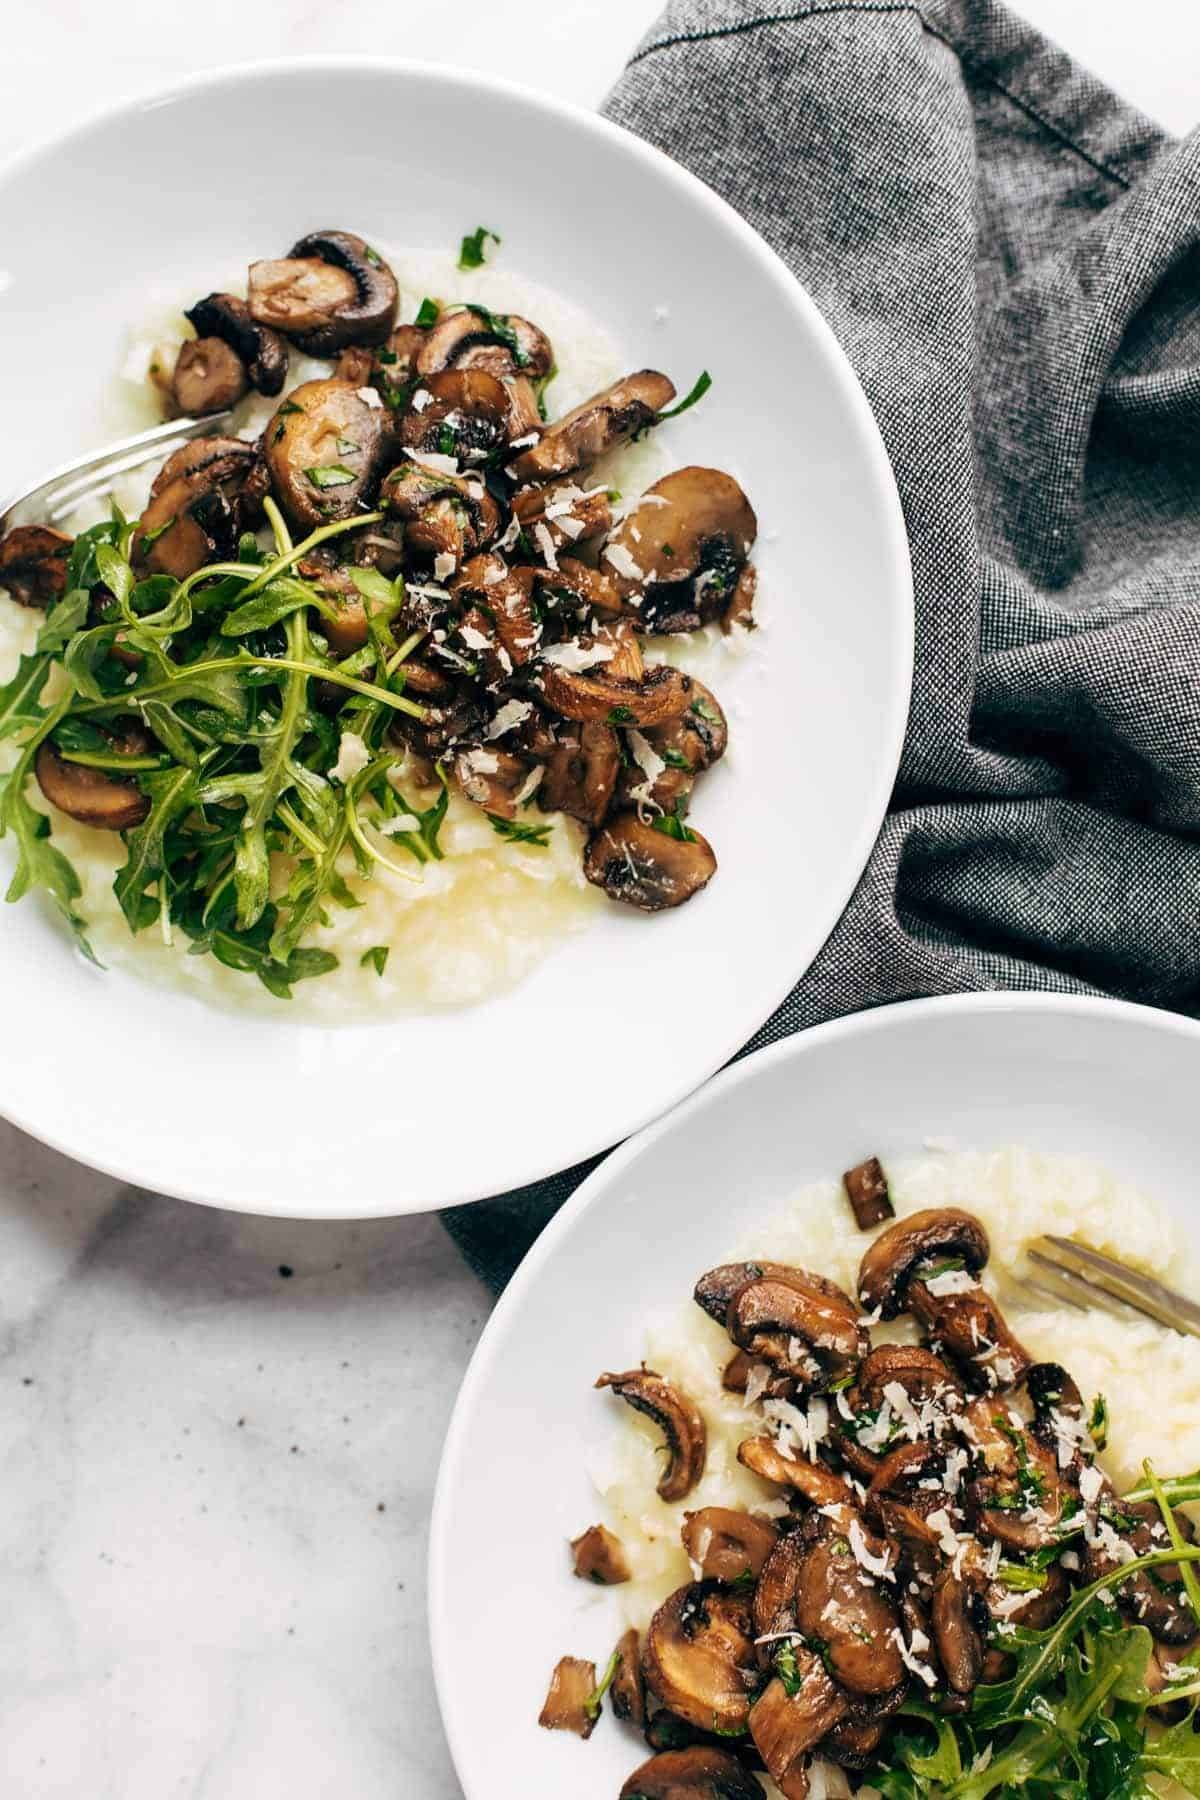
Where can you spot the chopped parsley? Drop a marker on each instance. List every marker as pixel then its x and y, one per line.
pixel 331 475
pixel 1098 1423
pixel 376 958
pixel 471 254
pixel 702 384
pixel 427 314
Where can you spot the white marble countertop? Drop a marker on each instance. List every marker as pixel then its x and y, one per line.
pixel 220 1435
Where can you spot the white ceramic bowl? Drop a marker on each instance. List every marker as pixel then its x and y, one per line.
pixel 275 1115
pixel 1117 1082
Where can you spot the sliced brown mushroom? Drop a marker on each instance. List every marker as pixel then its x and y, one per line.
pixel 742 1369
pixel 332 290
pixel 867 1191
pixel 818 1484
pixel 504 596
pixel 560 516
pixel 785 1727
pixel 196 506
pixel 682 1426
pixel 699 1657
pixel 581 773
pixel 936 1234
pixel 682 546
pixel 94 796
pixel 502 343
pixel 646 868
pixel 492 778
pixel 697 738
pixel 599 424
pixel 209 377
pixel 33 564
pixel 628 1689
pixel 570 1703
pixel 1018 1495
pixel 728 1546
pixel 449 518
pixel 595 693
pixel 698 1773
pixel 578 587
pixel 959 1622
pixel 798 1326
pixel 262 352
pixel 740 610
pixel 461 413
pixel 324 448
pixel 1060 1421
pixel 716 1290
pixel 600 1557
pixel 850 1613
pixel 851 1745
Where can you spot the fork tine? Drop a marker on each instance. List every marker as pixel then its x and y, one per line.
pixel 1079 1264
pixel 69 484
pixel 58 502
pixel 1074 1290
pixel 1062 1298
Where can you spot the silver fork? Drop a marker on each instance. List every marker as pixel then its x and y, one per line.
pixel 58 494
pixel 1085 1278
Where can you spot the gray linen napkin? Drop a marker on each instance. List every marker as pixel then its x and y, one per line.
pixel 1010 256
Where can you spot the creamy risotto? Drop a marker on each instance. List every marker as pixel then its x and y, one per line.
pixel 456 930
pixel 1149 1376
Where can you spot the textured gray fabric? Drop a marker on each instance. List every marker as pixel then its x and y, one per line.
pixel 1011 258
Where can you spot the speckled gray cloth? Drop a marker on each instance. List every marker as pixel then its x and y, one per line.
pixel 1011 258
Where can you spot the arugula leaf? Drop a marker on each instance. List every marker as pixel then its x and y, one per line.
pixel 1175 1753
pixel 471 250
pixel 277 601
pixel 701 386
pixel 39 863
pixel 514 832
pixel 20 698
pixel 376 957
pixel 172 794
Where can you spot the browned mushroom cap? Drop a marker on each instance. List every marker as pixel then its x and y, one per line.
pixel 331 291
pixel 580 588
pixel 505 596
pixel 700 1772
pixel 726 1545
pixel 463 413
pixel 1018 1496
pixel 969 1326
pixel 502 343
pixel 628 1689
pixel 33 564
pixel 93 796
pixel 324 448
pixel 560 516
pixel 596 692
pixel 570 1704
pixel 191 515
pixel 922 1375
pixel 738 1371
pixel 599 1557
pixel 446 515
pixel 209 377
pixel 646 781
pixel 867 1191
pixel 697 738
pixel 262 352
pixel 581 773
pixel 786 1727
pixel 1060 1421
pixel 938 1234
pixel 797 1326
pixel 818 1484
pixel 959 1622
pixel 682 1426
pixel 850 1614
pixel 715 1291
pixel 694 522
pixel 699 1656
pixel 492 778
pixel 645 867
pixel 600 424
